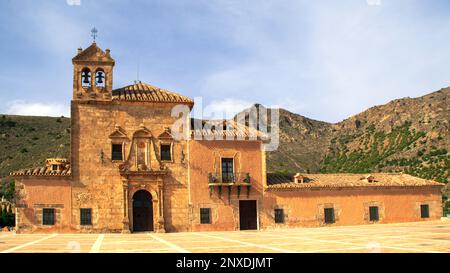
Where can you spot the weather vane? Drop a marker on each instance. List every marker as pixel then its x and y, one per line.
pixel 94 33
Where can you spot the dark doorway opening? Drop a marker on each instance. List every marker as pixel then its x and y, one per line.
pixel 142 211
pixel 248 218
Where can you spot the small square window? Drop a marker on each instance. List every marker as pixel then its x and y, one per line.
pixel 54 167
pixel 279 216
pixel 48 217
pixel 373 214
pixel 116 151
pixel 205 216
pixel 424 211
pixel 166 154
pixel 85 217
pixel 329 215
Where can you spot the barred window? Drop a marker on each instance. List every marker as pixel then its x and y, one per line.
pixel 227 170
pixel 329 215
pixel 205 216
pixel 373 214
pixel 166 155
pixel 279 216
pixel 424 211
pixel 116 152
pixel 48 217
pixel 85 217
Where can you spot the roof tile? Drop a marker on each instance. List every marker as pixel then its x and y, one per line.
pixel 344 180
pixel 148 93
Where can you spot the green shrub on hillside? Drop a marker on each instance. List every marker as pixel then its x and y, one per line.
pixel 379 146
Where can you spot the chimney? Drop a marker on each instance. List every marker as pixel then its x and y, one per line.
pixel 298 178
pixel 370 178
pixel 79 50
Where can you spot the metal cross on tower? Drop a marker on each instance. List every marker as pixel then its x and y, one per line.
pixel 94 33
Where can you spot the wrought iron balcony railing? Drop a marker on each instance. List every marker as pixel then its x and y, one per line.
pixel 229 178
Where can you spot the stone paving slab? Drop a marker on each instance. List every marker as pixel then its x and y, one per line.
pixel 388 238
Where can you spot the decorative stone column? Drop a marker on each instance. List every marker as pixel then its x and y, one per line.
pixel 161 227
pixel 126 219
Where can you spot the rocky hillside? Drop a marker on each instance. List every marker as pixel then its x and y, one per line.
pixel 410 135
pixel 28 141
pixel 303 142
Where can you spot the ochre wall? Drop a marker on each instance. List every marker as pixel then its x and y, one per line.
pixel 305 207
pixel 98 185
pixel 38 193
pixel 204 159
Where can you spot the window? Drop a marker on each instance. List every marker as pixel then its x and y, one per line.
pixel 373 214
pixel 424 211
pixel 329 215
pixel 279 216
pixel 116 152
pixel 48 217
pixel 227 170
pixel 166 154
pixel 85 217
pixel 54 167
pixel 205 216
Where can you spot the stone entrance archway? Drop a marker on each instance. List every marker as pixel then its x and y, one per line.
pixel 142 211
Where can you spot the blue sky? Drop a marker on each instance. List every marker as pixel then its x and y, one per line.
pixel 322 59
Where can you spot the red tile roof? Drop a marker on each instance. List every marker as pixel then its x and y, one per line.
pixel 43 171
pixel 344 180
pixel 64 169
pixel 228 129
pixel 148 93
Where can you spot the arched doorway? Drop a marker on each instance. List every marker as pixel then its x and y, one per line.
pixel 142 211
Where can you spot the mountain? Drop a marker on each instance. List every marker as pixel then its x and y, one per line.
pixel 303 142
pixel 411 135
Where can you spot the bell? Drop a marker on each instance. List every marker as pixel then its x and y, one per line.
pixel 85 77
pixel 100 77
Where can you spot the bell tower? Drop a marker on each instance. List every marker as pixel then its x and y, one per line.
pixel 92 73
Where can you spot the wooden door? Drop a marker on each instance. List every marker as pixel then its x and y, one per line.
pixel 142 211
pixel 248 218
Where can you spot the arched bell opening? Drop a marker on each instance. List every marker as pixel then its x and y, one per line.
pixel 100 78
pixel 86 77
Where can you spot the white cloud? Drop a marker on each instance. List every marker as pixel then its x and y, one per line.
pixel 37 109
pixel 73 2
pixel 50 28
pixel 227 108
pixel 330 60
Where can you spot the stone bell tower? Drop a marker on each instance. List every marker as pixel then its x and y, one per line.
pixel 92 74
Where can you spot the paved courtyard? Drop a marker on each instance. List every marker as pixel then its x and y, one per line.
pixel 406 237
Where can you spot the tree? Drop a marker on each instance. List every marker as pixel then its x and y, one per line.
pixel 11 218
pixel 4 217
pixel 7 187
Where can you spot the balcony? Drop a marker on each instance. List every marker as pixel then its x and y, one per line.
pixel 230 181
